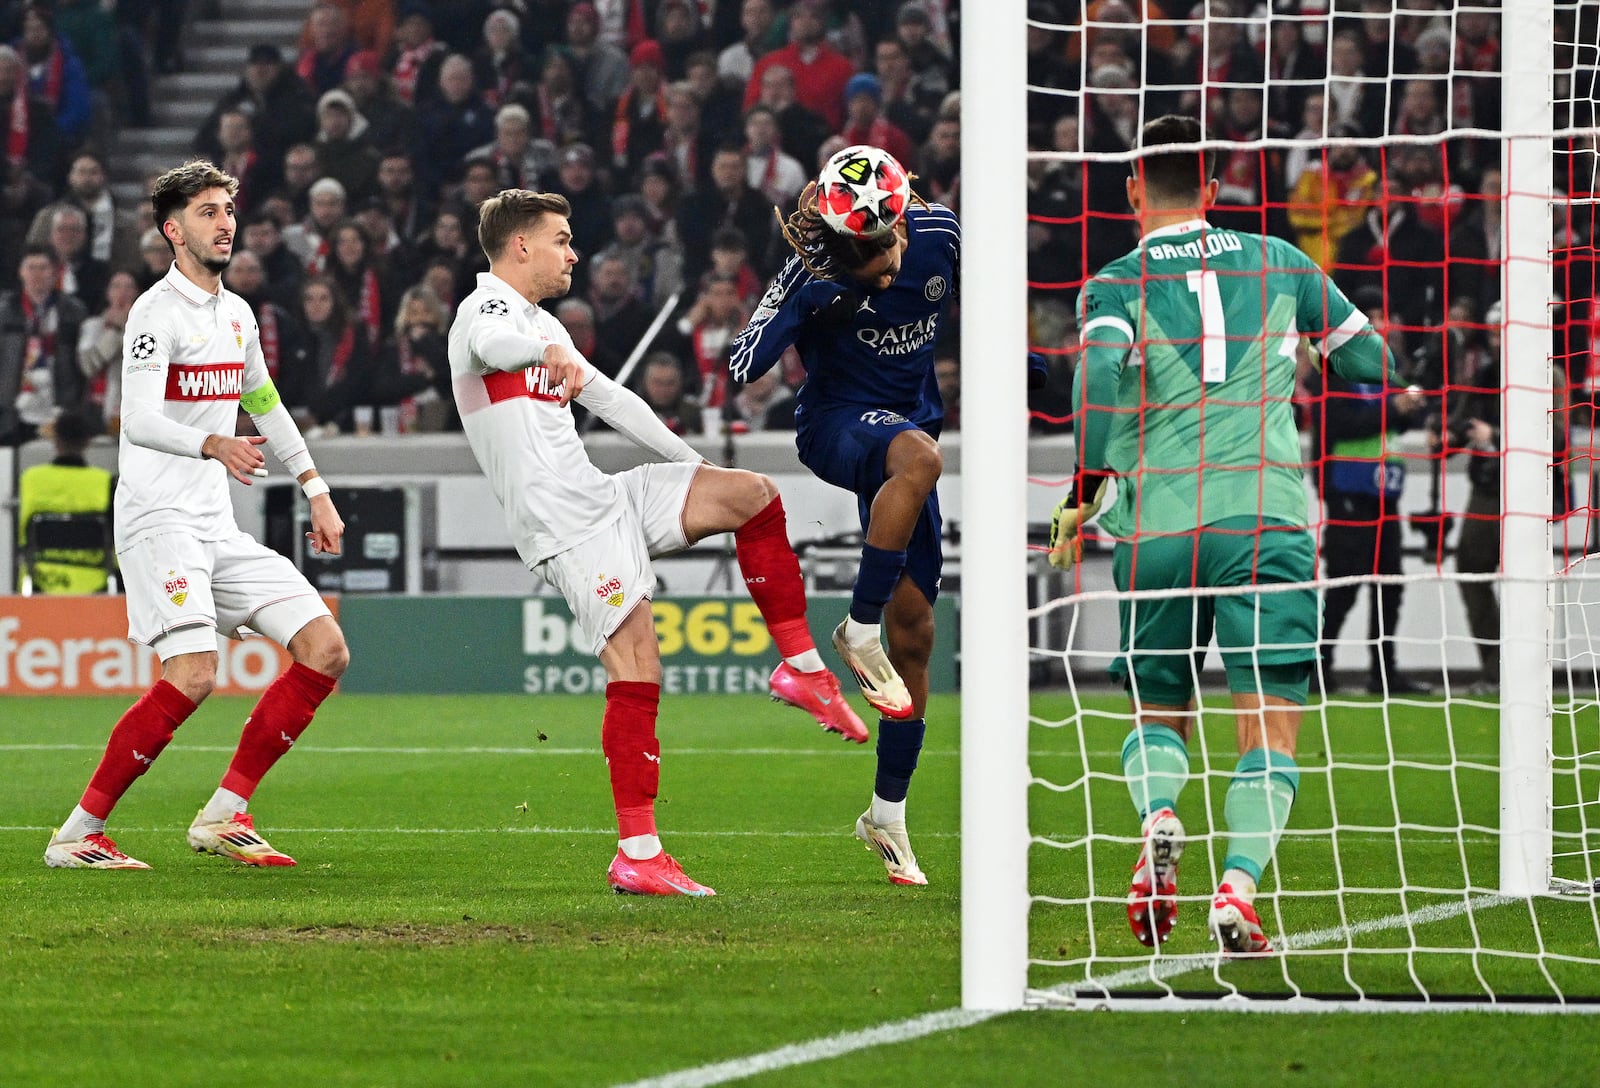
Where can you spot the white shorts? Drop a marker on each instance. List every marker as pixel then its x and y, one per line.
pixel 181 592
pixel 606 576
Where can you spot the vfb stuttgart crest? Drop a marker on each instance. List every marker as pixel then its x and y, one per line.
pixel 176 588
pixel 610 591
pixel 238 335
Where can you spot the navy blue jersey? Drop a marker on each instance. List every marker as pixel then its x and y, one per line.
pixel 884 357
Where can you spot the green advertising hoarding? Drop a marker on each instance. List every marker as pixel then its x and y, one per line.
pixel 465 645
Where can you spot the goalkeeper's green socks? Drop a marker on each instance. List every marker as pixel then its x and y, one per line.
pixel 1156 763
pixel 1257 809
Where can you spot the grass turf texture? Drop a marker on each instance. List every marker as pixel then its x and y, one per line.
pixel 437 934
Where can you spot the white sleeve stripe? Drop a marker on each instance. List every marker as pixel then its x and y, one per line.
pixel 741 360
pixel 923 228
pixel 1347 330
pixel 1109 322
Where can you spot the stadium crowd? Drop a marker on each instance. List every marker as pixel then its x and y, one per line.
pixel 672 127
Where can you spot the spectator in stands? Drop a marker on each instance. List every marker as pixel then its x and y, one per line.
pixel 777 176
pixel 640 116
pixel 1393 249
pixel 280 329
pixel 31 135
pixel 100 348
pixel 87 25
pixel 727 201
pixel 721 105
pixel 738 61
pixel 283 270
pixel 730 256
pixel 1474 429
pixel 659 189
pixel 661 385
pixel 1354 97
pixel 765 404
pixel 343 149
pixel 1294 67
pixel 1421 170
pixel 155 258
pixel 113 234
pixel 1419 110
pixel 938 164
pixel 864 120
pixel 1332 197
pixel 39 327
pixel 453 122
pixel 416 55
pixel 803 129
pixel 820 71
pixel 1383 55
pixel 1047 67
pixel 388 250
pixel 519 160
pixel 67 485
pixel 681 138
pixel 602 66
pixel 55 74
pixel 620 314
pixel 80 275
pixel 301 166
pixel 310 239
pixel 479 182
pixel 708 327
pixel 576 179
pixel 21 197
pixel 327 46
pixel 370 23
pixel 329 371
pixel 281 109
pixel 413 372
pixel 1476 244
pixel 499 64
pixel 390 122
pixel 241 159
pixel 680 36
pixel 931 66
pixel 367 288
pixel 1250 194
pixel 657 267
pixel 397 188
pixel 906 104
pixel 577 317
pixel 1312 135
pixel 565 116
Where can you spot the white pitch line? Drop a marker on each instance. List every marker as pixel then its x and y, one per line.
pixel 900 1031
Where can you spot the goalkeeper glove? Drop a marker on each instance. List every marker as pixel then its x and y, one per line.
pixel 1066 524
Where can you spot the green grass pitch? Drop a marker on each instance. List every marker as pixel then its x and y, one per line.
pixel 449 924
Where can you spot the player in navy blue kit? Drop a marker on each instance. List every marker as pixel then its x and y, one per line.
pixel 863 314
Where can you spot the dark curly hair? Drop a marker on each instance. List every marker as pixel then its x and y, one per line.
pixel 824 251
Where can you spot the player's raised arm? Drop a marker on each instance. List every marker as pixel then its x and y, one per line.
pixel 775 323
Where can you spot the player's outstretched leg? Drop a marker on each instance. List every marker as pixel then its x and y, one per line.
pixel 138 738
pixel 1256 810
pixel 772 575
pixel 633 757
pixel 1155 762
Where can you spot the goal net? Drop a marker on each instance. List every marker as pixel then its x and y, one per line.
pixel 1443 846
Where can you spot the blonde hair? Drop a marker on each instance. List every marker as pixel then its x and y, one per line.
pixel 513 210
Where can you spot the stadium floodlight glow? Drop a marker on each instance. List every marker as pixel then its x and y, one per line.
pixel 1443 849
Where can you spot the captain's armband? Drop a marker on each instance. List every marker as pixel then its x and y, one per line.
pixel 261 400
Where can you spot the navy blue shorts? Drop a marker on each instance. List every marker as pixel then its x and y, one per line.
pixel 847 447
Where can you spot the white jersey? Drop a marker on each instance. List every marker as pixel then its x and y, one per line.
pixel 187 357
pixel 523 437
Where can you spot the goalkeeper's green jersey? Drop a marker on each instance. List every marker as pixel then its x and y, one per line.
pixel 1188 374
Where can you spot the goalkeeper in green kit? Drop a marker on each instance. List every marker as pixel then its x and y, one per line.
pixel 1185 387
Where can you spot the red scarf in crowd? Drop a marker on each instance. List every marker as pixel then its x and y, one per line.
pixel 369 304
pixel 408 66
pixel 411 362
pixel 17 130
pixel 624 121
pixel 50 91
pixel 342 351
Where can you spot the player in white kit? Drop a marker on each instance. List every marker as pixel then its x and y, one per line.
pixel 592 535
pixel 191 359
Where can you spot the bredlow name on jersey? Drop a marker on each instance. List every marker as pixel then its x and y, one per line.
pixel 1213 243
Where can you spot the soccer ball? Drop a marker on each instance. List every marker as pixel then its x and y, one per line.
pixel 862 191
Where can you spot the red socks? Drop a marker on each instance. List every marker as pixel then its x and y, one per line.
pixel 275 724
pixel 140 734
pixel 772 575
pixel 633 754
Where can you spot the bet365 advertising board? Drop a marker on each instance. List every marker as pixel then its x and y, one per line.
pixel 532 645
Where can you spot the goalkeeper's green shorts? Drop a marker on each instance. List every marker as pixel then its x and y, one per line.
pixel 1268 639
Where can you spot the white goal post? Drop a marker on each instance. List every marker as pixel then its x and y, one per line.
pixel 997 779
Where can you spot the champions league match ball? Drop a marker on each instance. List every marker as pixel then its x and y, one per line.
pixel 862 191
